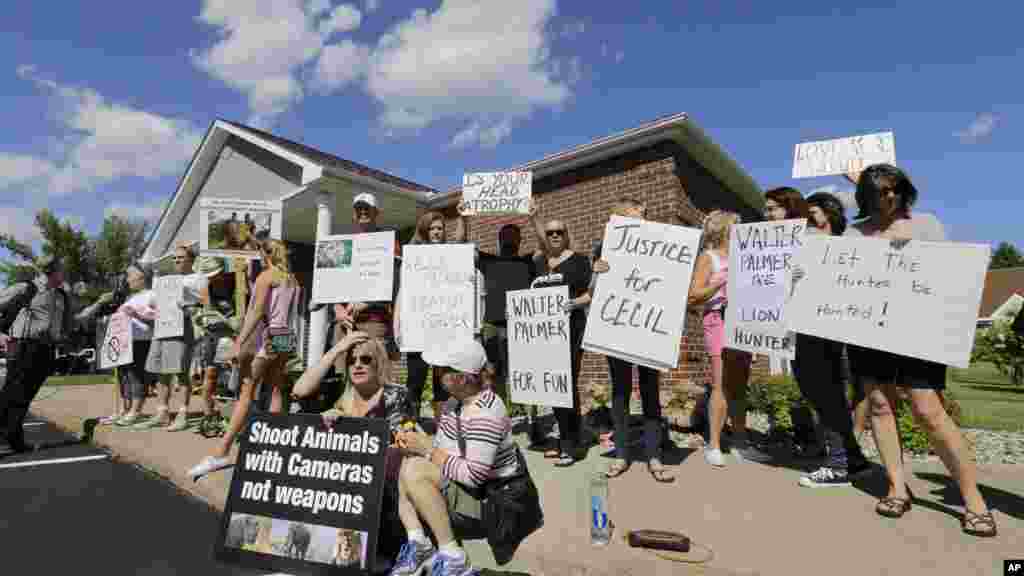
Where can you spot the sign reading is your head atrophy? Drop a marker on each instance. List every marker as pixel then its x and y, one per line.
pixel 497 193
pixel 305 499
pixel 639 305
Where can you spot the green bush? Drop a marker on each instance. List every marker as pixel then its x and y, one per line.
pixel 775 396
pixel 912 436
pixel 1003 348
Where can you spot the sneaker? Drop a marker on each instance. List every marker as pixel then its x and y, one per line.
pixel 713 456
pixel 208 465
pixel 180 423
pixel 447 565
pixel 412 559
pixel 129 419
pixel 750 453
pixel 825 477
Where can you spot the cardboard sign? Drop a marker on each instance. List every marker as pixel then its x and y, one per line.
pixel 232 228
pixel 497 193
pixel 920 300
pixel 438 295
pixel 843 155
pixel 170 322
pixel 305 499
pixel 760 257
pixel 355 268
pixel 117 342
pixel 639 305
pixel 540 372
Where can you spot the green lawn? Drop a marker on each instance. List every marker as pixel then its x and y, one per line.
pixel 80 380
pixel 987 399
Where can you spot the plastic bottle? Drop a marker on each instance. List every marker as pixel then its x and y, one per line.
pixel 600 525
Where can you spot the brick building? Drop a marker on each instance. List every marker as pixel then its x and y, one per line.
pixel 673 167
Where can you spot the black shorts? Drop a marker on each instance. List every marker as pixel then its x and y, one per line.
pixel 904 371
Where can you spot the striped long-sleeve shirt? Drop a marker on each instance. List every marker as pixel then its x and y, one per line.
pixel 490 451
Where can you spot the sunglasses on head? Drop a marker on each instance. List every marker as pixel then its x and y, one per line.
pixel 552 233
pixel 364 359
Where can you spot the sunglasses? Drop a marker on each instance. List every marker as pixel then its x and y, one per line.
pixel 553 233
pixel 363 359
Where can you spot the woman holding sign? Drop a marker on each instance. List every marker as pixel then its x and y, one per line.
pixel 268 322
pixel 621 375
pixel 885 196
pixel 560 266
pixel 140 308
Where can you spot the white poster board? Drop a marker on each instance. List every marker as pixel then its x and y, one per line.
pixel 117 342
pixel 438 300
pixel 496 193
pixel 231 227
pixel 354 268
pixel 639 306
pixel 843 155
pixel 760 256
pixel 539 370
pixel 170 321
pixel 920 300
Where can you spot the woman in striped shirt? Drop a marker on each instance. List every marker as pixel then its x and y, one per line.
pixel 473 445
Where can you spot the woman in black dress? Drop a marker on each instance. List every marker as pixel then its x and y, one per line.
pixel 559 266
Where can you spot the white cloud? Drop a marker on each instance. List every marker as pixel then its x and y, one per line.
pixel 478 134
pixel 485 64
pixel 344 18
pixel 105 141
pixel 148 211
pixel 20 223
pixel 20 168
pixel 981 127
pixel 262 44
pixel 372 5
pixel 341 64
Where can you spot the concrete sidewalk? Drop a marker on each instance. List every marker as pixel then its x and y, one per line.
pixel 755 518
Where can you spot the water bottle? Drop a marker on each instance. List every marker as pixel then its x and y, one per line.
pixel 600 526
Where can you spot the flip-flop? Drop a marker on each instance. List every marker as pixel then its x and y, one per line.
pixel 893 507
pixel 660 473
pixel 552 454
pixel 616 469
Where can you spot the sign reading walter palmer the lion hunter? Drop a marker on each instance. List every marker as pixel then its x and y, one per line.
pixel 305 499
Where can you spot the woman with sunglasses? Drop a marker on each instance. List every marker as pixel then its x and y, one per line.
pixel 269 317
pixel 885 197
pixel 559 265
pixel 621 375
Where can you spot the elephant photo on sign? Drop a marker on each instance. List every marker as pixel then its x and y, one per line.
pixel 297 544
pixel 241 531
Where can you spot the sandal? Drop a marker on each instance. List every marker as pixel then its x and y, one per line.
pixel 893 507
pixel 552 454
pixel 659 472
pixel 980 525
pixel 565 459
pixel 617 468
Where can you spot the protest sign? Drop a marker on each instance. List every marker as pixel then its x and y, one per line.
pixel 355 268
pixel 496 193
pixel 760 256
pixel 919 300
pixel 843 155
pixel 305 498
pixel 438 302
pixel 538 347
pixel 232 228
pixel 170 321
pixel 639 305
pixel 117 342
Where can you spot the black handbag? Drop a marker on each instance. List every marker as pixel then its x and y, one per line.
pixel 511 508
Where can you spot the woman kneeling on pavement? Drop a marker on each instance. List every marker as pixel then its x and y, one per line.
pixel 439 479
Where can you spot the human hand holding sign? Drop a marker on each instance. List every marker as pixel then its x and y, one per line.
pixel 601 266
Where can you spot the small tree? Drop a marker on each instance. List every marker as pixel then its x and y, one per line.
pixel 1003 348
pixel 1006 255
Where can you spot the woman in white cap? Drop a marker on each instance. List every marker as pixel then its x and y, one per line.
pixel 473 445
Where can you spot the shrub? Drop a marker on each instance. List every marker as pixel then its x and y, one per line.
pixel 1002 347
pixel 776 396
pixel 912 436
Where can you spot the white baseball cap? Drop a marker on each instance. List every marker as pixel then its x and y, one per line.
pixel 365 198
pixel 464 356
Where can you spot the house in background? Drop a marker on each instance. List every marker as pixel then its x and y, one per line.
pixel 669 163
pixel 1004 287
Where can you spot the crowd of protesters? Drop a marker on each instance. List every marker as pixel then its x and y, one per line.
pixel 253 306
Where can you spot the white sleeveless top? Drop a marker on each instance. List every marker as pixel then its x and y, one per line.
pixel 718 266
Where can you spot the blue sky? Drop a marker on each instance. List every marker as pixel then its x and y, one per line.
pixel 102 108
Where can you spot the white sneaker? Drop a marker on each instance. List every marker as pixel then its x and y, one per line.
pixel 207 465
pixel 713 456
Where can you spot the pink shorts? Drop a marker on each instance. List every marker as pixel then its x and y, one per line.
pixel 714 332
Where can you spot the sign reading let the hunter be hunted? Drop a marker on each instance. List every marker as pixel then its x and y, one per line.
pixel 760 257
pixel 639 305
pixel 919 300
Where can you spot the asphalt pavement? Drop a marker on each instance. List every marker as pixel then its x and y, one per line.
pixel 70 509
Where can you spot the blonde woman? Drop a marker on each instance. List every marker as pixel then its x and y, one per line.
pixel 270 316
pixel 730 369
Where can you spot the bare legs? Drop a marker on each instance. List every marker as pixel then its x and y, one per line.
pixel 261 369
pixel 734 381
pixel 419 496
pixel 717 405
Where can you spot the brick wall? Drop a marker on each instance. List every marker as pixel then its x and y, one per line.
pixel 676 190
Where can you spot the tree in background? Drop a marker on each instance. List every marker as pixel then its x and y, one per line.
pixel 21 270
pixel 119 243
pixel 1002 346
pixel 1006 255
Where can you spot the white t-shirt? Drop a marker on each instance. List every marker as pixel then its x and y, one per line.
pixel 192 285
pixel 141 330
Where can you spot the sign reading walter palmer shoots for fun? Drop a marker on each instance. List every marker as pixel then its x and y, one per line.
pixel 295 481
pixel 639 305
pixel 760 258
